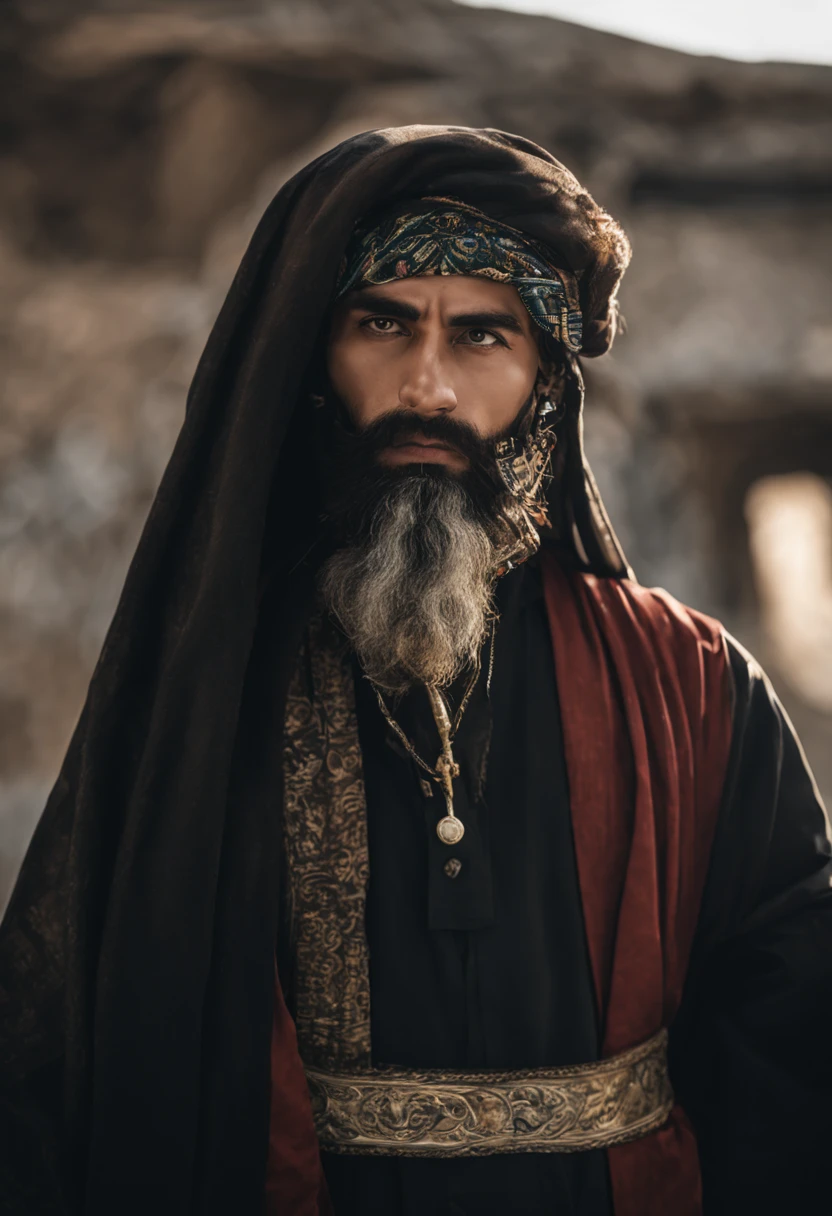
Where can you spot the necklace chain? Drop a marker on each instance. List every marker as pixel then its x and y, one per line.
pixel 450 829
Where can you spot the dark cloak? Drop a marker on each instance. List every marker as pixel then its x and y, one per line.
pixel 137 952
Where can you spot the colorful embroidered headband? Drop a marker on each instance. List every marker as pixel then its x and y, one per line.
pixel 454 238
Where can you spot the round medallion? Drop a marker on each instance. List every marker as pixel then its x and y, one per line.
pixel 450 830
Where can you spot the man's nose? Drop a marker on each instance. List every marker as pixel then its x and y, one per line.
pixel 427 387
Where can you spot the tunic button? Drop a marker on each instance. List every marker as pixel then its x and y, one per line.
pixel 452 867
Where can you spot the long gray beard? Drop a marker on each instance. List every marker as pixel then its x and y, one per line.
pixel 415 593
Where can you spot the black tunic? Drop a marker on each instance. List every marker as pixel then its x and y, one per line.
pixel 490 969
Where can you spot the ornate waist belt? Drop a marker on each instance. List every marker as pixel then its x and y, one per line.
pixel 406 1112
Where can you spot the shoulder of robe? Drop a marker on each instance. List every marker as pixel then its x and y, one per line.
pixel 656 612
pixel 665 653
pixel 666 645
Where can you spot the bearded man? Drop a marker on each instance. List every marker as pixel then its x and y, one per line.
pixel 408 855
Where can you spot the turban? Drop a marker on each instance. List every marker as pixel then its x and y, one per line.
pixel 445 236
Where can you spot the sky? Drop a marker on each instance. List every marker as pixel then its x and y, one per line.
pixel 798 31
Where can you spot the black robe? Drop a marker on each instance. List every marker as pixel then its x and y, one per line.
pixel 489 969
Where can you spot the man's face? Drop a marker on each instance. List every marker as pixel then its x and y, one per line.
pixel 435 346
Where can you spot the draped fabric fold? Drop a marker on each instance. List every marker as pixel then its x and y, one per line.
pixel 294 1178
pixel 645 692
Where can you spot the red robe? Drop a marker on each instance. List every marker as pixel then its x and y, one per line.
pixel 645 696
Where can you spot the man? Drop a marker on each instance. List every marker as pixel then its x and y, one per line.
pixel 395 791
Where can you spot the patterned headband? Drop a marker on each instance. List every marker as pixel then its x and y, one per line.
pixel 454 238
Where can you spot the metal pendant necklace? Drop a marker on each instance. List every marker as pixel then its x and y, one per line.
pixel 449 829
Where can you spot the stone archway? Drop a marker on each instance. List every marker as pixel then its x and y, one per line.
pixel 789 519
pixel 728 444
pixel 730 440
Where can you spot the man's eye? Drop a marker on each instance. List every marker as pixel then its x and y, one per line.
pixel 381 325
pixel 481 337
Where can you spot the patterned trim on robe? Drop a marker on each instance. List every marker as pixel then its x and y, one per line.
pixel 327 857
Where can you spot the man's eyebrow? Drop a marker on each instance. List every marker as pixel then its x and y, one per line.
pixel 487 320
pixel 374 301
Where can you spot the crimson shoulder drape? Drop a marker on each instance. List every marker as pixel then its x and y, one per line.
pixel 645 698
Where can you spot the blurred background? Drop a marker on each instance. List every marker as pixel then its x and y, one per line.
pixel 140 143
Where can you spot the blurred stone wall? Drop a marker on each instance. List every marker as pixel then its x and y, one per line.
pixel 140 144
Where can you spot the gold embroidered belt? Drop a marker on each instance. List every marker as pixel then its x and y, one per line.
pixel 405 1112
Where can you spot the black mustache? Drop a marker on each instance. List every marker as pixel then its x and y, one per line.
pixel 397 426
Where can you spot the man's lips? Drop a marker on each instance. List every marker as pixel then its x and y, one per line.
pixel 418 449
pixel 423 443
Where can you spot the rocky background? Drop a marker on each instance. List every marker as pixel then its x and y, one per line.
pixel 140 143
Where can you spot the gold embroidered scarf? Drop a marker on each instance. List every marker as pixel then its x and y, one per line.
pixel 327 863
